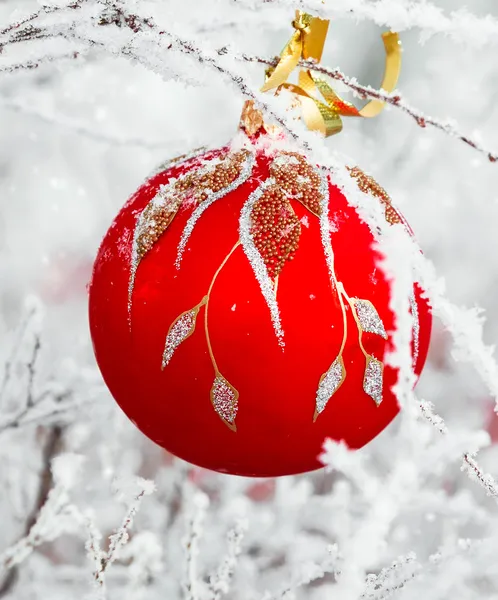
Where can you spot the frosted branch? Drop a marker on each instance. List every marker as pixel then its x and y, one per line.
pixel 219 583
pixel 31 65
pixel 392 578
pixel 486 481
pixel 309 573
pixel 427 411
pixel 121 537
pixel 195 521
pixel 55 516
pixel 393 99
pixel 45 10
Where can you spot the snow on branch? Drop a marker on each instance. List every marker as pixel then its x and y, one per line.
pixel 55 517
pixel 219 582
pixel 460 26
pixel 45 10
pixel 393 99
pixel 116 16
pixel 118 539
pixel 308 574
pixel 195 521
pixel 471 467
pixel 32 402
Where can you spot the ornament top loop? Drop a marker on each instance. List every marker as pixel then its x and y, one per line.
pixel 307 43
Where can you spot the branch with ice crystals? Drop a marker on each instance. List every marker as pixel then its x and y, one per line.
pixel 195 521
pixel 427 411
pixel 460 26
pixel 393 99
pixel 308 573
pixel 392 578
pixel 219 582
pixel 56 516
pixel 31 64
pixel 121 537
pixel 471 467
pixel 45 10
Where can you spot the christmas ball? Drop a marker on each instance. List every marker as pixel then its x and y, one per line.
pixel 238 314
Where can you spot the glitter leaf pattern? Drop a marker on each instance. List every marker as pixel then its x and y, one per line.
pixel 373 379
pixel 298 179
pixel 275 229
pixel 213 180
pixel 330 382
pixel 368 317
pixel 244 163
pixel 224 398
pixel 182 328
pixel 256 260
pixel 368 185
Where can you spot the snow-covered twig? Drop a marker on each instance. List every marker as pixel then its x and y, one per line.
pixel 31 65
pixel 393 99
pixel 309 573
pixel 427 411
pixel 55 517
pixel 120 538
pixel 200 503
pixel 392 578
pixel 471 467
pixel 219 582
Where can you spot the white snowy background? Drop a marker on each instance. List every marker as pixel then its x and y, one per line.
pixel 398 519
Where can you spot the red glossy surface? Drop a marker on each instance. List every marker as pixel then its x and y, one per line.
pixel 275 433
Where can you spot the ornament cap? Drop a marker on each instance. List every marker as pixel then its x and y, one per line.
pixel 251 119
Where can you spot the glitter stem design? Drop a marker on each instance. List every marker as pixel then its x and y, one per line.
pixel 334 377
pixel 206 310
pixel 245 173
pixel 358 324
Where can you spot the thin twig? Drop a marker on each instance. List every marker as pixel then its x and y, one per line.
pixel 394 99
pixel 51 448
pixel 45 10
pixel 31 65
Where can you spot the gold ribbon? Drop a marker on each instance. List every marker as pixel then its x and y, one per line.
pixel 307 43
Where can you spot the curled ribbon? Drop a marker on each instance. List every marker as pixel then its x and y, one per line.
pixel 307 43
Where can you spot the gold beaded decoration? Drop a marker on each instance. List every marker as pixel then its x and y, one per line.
pixel 275 226
pixel 368 185
pixel 190 189
pixel 298 180
pixel 275 229
pixel 194 187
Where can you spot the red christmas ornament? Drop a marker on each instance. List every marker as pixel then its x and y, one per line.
pixel 238 314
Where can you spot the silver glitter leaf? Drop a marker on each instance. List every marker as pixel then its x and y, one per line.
pixel 374 378
pixel 224 398
pixel 330 382
pixel 256 260
pixel 245 173
pixel 368 317
pixel 182 328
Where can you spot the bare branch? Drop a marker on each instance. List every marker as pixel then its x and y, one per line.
pixel 31 65
pixel 393 99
